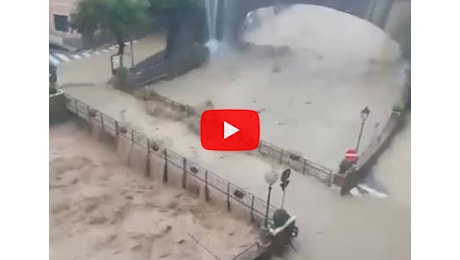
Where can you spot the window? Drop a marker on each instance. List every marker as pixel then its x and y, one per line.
pixel 61 23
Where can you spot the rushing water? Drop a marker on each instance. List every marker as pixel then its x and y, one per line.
pixel 218 15
pixel 211 17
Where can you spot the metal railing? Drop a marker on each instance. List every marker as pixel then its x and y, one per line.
pixel 295 161
pixel 253 205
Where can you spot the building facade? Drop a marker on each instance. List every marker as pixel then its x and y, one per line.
pixel 61 31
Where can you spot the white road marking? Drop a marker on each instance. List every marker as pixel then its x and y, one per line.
pixel 112 47
pixel 105 50
pixel 373 192
pixel 86 54
pixel 62 57
pixel 54 60
pixel 96 52
pixel 76 56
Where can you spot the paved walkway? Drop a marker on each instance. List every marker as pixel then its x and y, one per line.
pixel 58 57
pixel 331 227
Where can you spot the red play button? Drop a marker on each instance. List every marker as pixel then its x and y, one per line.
pixel 230 130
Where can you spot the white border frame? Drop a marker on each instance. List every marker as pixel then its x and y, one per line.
pixel 435 179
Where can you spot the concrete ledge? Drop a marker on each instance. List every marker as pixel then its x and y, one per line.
pixel 57 107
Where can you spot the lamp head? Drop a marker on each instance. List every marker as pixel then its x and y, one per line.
pixel 271 178
pixel 365 113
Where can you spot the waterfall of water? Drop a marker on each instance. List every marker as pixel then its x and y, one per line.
pixel 211 18
pixel 218 16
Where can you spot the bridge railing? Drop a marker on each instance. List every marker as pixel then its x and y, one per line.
pixel 252 205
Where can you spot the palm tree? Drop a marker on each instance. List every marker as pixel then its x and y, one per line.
pixel 116 16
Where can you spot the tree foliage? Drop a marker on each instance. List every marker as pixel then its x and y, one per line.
pixel 185 21
pixel 116 16
pixel 165 6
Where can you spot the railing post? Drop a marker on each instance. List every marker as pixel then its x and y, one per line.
pixel 206 191
pixel 252 209
pixel 184 173
pixel 228 196
pixel 76 106
pixel 304 166
pixel 148 157
pixel 165 169
pixel 331 179
pixel 281 156
pixel 102 122
pixel 89 114
pixel 117 129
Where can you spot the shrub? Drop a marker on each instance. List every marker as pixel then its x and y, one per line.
pixel 121 75
pixel 280 217
pixel 344 166
pixel 399 107
pixel 53 89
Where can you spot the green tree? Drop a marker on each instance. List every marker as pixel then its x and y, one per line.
pixel 115 16
pixel 163 6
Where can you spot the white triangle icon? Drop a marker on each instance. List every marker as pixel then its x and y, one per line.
pixel 229 130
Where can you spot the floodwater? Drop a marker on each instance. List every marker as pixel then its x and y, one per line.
pixel 310 105
pixel 309 100
pixel 101 209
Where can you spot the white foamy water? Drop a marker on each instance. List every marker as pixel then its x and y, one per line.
pixel 332 34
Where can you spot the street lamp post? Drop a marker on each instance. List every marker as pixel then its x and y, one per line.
pixel 132 50
pixel 270 178
pixel 364 115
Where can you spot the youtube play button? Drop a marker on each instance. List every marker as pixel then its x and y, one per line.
pixel 230 130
